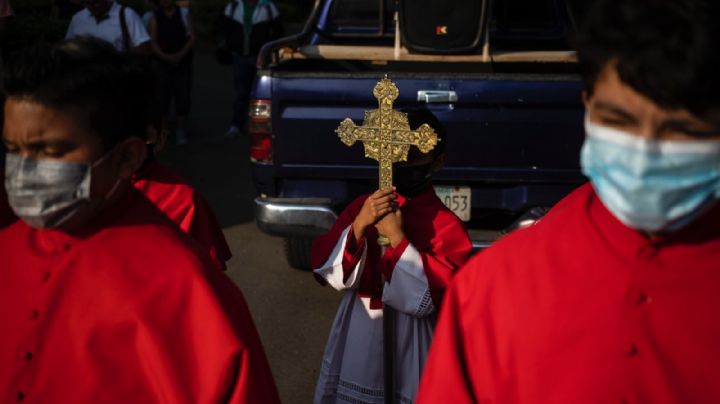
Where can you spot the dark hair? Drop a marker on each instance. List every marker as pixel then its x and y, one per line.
pixel 107 92
pixel 667 50
pixel 419 116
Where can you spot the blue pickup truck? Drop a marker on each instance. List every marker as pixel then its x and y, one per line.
pixel 511 107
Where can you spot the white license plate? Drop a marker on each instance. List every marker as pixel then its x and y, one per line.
pixel 456 199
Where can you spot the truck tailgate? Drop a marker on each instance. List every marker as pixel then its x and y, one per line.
pixel 512 128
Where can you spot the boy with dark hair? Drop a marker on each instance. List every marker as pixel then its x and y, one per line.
pixel 102 298
pixel 427 244
pixel 613 296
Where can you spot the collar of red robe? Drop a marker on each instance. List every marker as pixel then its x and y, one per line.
pixel 703 229
pixel 54 240
pixel 418 200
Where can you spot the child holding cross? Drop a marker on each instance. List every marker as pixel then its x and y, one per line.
pixel 427 244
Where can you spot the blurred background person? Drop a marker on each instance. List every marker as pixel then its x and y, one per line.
pixel 111 22
pixel 249 24
pixel 173 39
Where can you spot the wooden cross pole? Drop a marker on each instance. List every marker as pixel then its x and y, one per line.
pixel 387 137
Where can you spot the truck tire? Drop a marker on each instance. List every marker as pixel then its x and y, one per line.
pixel 297 252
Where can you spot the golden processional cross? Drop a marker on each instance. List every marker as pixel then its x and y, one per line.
pixel 387 138
pixel 386 133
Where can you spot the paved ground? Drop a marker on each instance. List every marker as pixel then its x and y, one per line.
pixel 292 312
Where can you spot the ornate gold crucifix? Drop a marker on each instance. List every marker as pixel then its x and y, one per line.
pixel 386 134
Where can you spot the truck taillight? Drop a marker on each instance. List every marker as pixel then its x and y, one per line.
pixel 260 131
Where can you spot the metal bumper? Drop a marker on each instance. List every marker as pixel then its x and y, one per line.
pixel 312 217
pixel 483 239
pixel 294 217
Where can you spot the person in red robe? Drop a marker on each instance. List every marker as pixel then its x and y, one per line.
pixel 427 244
pixel 613 296
pixel 102 298
pixel 182 204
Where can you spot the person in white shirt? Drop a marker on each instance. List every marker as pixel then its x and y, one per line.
pixel 103 19
pixel 248 25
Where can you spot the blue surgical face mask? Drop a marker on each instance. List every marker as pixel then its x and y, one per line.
pixel 46 193
pixel 651 185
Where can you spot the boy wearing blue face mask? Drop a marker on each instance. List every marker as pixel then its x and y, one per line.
pixel 614 295
pixel 102 298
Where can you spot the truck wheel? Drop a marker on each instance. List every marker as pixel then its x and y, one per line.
pixel 297 252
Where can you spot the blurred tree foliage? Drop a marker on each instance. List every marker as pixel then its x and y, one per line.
pixel 35 22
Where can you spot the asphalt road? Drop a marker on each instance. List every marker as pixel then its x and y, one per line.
pixel 292 312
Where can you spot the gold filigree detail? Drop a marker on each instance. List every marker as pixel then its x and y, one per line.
pixel 385 132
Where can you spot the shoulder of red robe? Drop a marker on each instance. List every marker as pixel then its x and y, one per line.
pixel 549 233
pixel 184 206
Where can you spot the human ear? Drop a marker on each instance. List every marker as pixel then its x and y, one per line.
pixel 131 156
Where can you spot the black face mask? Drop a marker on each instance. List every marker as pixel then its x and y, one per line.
pixel 412 181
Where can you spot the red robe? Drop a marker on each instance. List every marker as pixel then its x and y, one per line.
pixel 184 206
pixel 127 310
pixel 428 224
pixel 582 309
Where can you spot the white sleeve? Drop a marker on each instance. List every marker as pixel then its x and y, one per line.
pixel 71 29
pixel 408 289
pixel 274 12
pixel 136 29
pixel 332 269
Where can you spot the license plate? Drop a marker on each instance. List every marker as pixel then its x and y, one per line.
pixel 456 199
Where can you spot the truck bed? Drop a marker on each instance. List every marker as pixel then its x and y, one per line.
pixel 513 138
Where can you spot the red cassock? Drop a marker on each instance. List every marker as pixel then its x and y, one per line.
pixel 126 310
pixel 437 234
pixel 184 206
pixel 582 309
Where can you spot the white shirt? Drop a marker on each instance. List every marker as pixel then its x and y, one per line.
pixel 84 24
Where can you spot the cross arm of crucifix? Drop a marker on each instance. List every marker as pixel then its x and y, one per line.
pixel 424 137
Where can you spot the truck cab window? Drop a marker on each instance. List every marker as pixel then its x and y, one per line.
pixel 526 15
pixel 534 24
pixel 361 16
